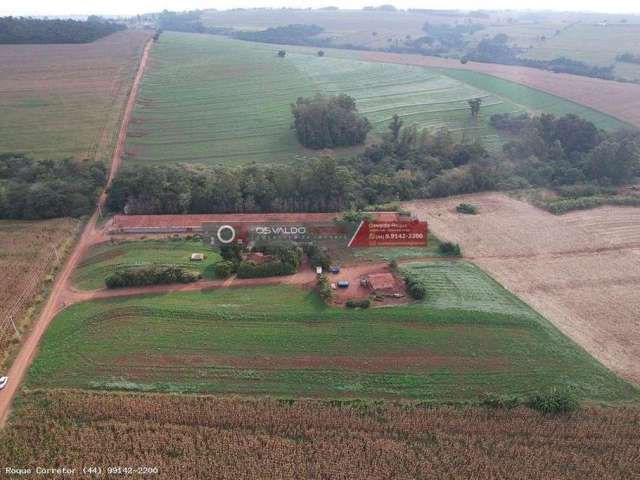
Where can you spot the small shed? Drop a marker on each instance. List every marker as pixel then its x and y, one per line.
pixel 381 282
pixel 197 257
pixel 319 270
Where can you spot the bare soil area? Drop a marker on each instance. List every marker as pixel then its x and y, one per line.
pixel 580 270
pixel 620 100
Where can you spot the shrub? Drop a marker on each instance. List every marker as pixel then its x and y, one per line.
pixel 321 53
pixel 393 264
pixel 354 303
pixel 317 256
pixel 224 269
pixel 282 53
pixel 324 288
pixel 233 253
pixel 275 268
pixel 152 275
pixel 450 249
pixel 415 288
pixel 554 401
pixel 504 402
pixel 466 208
pixel 417 291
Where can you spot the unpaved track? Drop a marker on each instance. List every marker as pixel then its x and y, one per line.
pixel 56 300
pixel 620 100
pixel 580 270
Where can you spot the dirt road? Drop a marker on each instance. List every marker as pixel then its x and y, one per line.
pixel 620 100
pixel 56 300
pixel 580 270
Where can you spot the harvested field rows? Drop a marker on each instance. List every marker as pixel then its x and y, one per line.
pixel 619 100
pixel 580 270
pixel 26 259
pixel 246 438
pixel 61 101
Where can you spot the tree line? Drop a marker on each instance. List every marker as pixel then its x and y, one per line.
pixel 17 30
pixel 406 164
pixel 38 189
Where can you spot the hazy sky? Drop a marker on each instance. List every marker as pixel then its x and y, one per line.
pixel 129 7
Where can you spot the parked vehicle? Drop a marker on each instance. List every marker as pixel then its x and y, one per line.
pixel 3 382
pixel 334 268
pixel 343 284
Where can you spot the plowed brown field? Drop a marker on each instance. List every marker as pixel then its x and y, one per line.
pixel 620 100
pixel 580 270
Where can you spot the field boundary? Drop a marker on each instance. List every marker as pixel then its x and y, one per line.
pixel 55 301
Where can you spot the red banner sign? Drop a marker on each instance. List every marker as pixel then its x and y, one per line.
pixel 390 234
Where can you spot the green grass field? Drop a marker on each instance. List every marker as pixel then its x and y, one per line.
pixel 283 341
pixel 217 101
pixel 102 259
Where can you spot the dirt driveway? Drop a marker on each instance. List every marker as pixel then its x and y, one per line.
pixel 580 270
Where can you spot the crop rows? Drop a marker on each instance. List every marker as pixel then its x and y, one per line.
pixel 284 341
pixel 244 438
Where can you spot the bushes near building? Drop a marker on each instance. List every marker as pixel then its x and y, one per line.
pixel 151 275
pixel 450 249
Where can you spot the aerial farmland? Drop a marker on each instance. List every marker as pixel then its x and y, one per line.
pixel 286 243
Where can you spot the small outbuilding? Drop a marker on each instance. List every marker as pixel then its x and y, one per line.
pixel 381 282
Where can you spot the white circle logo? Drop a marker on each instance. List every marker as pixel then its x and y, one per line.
pixel 226 238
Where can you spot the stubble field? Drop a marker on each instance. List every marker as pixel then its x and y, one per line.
pixel 60 101
pixel 266 438
pixel 580 270
pixel 27 258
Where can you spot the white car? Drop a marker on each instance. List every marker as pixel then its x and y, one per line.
pixel 3 382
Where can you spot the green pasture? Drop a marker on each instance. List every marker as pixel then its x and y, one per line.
pixel 468 337
pixel 104 258
pixel 216 101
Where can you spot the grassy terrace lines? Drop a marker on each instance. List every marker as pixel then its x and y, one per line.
pixel 282 340
pixel 216 101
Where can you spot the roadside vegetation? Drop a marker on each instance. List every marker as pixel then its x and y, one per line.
pixel 40 189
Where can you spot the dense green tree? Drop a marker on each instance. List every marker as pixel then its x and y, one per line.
pixel 328 122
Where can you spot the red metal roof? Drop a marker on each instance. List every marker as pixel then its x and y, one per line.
pixel 195 221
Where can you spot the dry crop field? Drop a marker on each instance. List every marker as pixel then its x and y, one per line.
pixel 61 101
pixel 246 438
pixel 580 270
pixel 26 259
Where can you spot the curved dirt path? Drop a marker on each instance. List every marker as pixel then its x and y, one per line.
pixel 305 277
pixel 59 292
